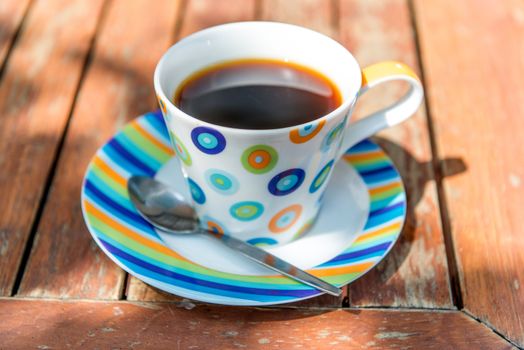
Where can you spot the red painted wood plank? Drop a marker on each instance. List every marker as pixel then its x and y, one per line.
pixel 414 274
pixel 472 53
pixel 36 95
pixel 124 325
pixel 65 262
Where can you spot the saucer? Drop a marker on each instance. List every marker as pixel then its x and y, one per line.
pixel 361 218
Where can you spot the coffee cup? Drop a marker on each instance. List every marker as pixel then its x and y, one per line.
pixel 265 186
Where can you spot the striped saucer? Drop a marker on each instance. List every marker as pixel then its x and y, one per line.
pixel 143 148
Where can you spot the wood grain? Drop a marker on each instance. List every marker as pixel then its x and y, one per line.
pixel 473 56
pixel 319 15
pixel 125 325
pixel 415 273
pixel 65 261
pixel 202 14
pixel 11 14
pixel 36 95
pixel 199 14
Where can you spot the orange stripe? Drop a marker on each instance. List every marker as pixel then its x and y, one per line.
pixel 110 172
pixel 343 270
pixel 129 233
pixel 151 138
pixel 395 226
pixel 384 188
pixel 365 156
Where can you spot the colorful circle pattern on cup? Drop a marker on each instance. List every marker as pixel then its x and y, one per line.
pixel 221 181
pixel 259 159
pixel 332 136
pixel 162 105
pixel 213 225
pixel 262 241
pixel 286 182
pixel 196 192
pixel 306 133
pixel 321 177
pixel 285 218
pixel 246 211
pixel 181 150
pixel 208 140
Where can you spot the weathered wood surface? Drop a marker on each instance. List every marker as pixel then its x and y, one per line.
pixel 65 262
pixel 474 66
pixel 415 272
pixel 36 94
pixel 125 325
pixel 11 15
pixel 318 15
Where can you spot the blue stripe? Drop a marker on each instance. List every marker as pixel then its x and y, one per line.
pixel 386 209
pixel 365 145
pixel 360 253
pixel 117 158
pixel 103 187
pixel 382 203
pixel 116 209
pixel 379 175
pixel 205 283
pixel 174 284
pixel 118 148
pixel 376 171
pixel 376 254
pixel 156 120
pixel 381 218
pixel 137 151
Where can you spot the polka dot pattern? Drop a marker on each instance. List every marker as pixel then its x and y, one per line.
pixel 285 218
pixel 181 150
pixel 332 136
pixel 259 159
pixel 213 225
pixel 221 181
pixel 262 241
pixel 162 105
pixel 208 140
pixel 246 211
pixel 286 182
pixel 196 192
pixel 321 177
pixel 307 132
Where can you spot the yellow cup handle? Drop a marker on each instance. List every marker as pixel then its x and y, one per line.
pixel 392 115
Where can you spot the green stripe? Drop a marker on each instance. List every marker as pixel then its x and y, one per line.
pixel 146 145
pixel 115 186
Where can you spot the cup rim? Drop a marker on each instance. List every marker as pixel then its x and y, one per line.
pixel 180 113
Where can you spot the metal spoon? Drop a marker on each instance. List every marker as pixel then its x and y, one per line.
pixel 168 211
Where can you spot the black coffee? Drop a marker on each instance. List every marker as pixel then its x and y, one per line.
pixel 257 94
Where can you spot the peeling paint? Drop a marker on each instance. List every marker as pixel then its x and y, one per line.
pixel 117 311
pixel 394 335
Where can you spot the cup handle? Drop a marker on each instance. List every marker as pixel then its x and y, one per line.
pixel 392 115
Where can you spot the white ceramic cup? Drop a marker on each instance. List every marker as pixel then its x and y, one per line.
pixel 266 186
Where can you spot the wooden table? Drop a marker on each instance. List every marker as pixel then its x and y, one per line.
pixel 74 72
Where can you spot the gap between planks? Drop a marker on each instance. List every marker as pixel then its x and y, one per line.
pixel 454 281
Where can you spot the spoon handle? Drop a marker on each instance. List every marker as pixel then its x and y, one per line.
pixel 275 263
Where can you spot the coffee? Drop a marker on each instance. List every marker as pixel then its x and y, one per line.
pixel 257 94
